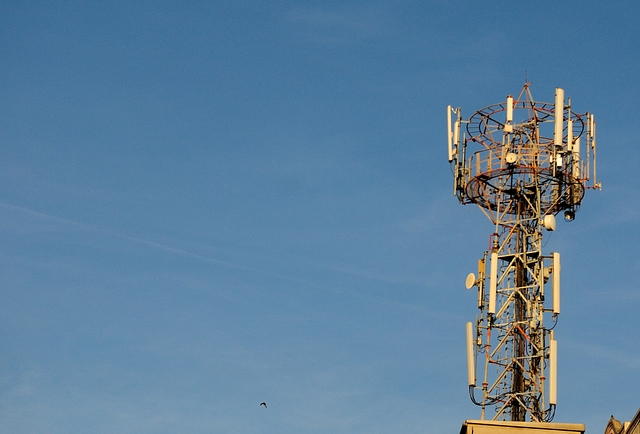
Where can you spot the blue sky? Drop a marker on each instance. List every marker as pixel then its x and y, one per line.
pixel 207 205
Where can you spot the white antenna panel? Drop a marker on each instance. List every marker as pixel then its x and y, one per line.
pixel 559 117
pixel 553 371
pixel 569 133
pixel 449 134
pixel 456 134
pixel 556 283
pixel 576 158
pixel 471 369
pixel 493 281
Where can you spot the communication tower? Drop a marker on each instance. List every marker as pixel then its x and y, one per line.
pixel 522 162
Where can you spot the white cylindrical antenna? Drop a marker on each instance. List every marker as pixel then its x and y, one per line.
pixel 576 158
pixel 555 286
pixel 553 372
pixel 542 277
pixel 456 134
pixel 509 109
pixel 471 369
pixel 569 133
pixel 593 144
pixel 449 134
pixel 559 117
pixel 493 281
pixel 569 126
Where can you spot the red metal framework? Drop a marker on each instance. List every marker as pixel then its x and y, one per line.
pixel 489 178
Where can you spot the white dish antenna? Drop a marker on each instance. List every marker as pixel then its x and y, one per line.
pixel 549 222
pixel 471 281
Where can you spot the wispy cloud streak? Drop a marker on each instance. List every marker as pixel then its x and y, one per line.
pixel 137 240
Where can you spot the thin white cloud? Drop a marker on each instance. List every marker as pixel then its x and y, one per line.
pixel 341 25
pixel 305 283
pixel 626 358
pixel 136 240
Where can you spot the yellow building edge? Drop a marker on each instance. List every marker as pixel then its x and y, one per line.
pixel 508 427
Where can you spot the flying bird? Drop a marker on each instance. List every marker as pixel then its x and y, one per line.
pixel 264 403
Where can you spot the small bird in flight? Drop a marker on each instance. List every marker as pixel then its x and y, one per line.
pixel 264 403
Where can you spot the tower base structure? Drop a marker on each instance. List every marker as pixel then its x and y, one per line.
pixel 509 427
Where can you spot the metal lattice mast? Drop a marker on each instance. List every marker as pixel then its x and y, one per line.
pixel 524 166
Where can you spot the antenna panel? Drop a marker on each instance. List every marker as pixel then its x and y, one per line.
pixel 556 283
pixel 558 118
pixel 553 372
pixel 493 282
pixel 471 369
pixel 449 134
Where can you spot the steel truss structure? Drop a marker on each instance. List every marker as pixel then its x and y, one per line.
pixel 521 162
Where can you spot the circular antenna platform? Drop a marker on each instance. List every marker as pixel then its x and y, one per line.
pixel 522 162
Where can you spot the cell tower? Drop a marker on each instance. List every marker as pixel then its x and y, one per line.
pixel 522 162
